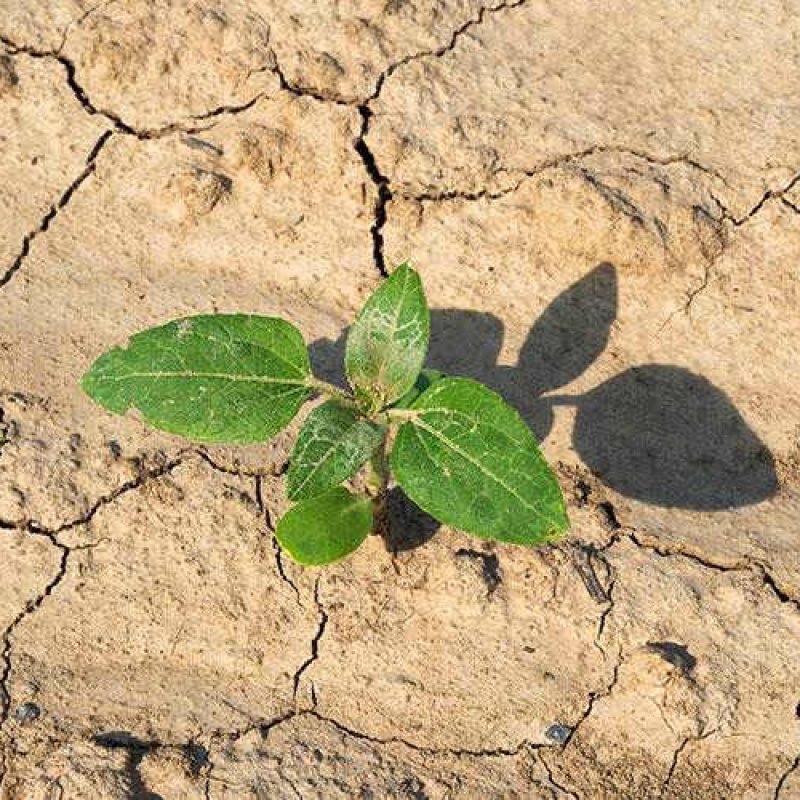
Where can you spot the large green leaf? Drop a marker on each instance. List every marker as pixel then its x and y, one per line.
pixel 468 459
pixel 212 378
pixel 387 344
pixel 332 444
pixel 325 528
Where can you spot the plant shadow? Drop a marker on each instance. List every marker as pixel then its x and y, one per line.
pixel 656 433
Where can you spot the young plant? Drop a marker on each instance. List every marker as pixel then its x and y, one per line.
pixel 455 447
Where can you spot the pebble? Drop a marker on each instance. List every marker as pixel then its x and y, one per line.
pixel 27 713
pixel 558 733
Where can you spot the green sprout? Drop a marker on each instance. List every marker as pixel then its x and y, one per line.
pixel 454 446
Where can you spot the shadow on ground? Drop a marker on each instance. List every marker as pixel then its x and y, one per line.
pixel 657 433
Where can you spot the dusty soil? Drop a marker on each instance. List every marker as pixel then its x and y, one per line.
pixel 604 202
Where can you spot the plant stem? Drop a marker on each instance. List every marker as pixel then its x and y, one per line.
pixel 377 486
pixel 400 414
pixel 334 392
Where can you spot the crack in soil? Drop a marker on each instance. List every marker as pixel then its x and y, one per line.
pixel 793 767
pixel 743 565
pixel 619 531
pixel 583 558
pixel 790 205
pixel 379 180
pixel 381 183
pixel 278 552
pixel 323 621
pixel 5 428
pixel 145 476
pixel 498 752
pixel 559 786
pixel 114 119
pixel 30 608
pixel 51 534
pixel 265 728
pixel 135 483
pixel 770 194
pixel 596 694
pixel 274 470
pixel 53 211
pixel 362 101
pixel 677 754
pixel 601 622
pixel 615 198
pixel 557 162
pixel 444 49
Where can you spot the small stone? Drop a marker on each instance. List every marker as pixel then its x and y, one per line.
pixel 558 733
pixel 27 713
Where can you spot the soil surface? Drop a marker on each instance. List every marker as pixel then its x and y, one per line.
pixel 604 203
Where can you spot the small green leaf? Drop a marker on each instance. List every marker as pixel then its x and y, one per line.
pixel 325 528
pixel 387 344
pixel 332 444
pixel 469 460
pixel 212 378
pixel 424 381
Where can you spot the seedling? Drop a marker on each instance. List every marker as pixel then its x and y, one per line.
pixel 455 447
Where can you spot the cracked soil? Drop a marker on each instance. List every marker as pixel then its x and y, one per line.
pixel 604 203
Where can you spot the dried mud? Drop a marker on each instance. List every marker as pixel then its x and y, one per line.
pixel 604 203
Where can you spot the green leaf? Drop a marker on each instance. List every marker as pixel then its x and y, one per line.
pixel 424 381
pixel 387 344
pixel 468 459
pixel 325 528
pixel 332 444
pixel 212 378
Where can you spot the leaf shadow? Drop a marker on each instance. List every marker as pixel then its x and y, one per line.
pixel 655 433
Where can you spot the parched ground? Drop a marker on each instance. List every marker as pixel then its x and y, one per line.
pixel 604 202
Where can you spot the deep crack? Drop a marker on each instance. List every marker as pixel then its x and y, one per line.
pixel 5 429
pixel 601 622
pixel 381 183
pixel 54 209
pixel 790 205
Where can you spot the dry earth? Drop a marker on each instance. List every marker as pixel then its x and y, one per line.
pixel 604 202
